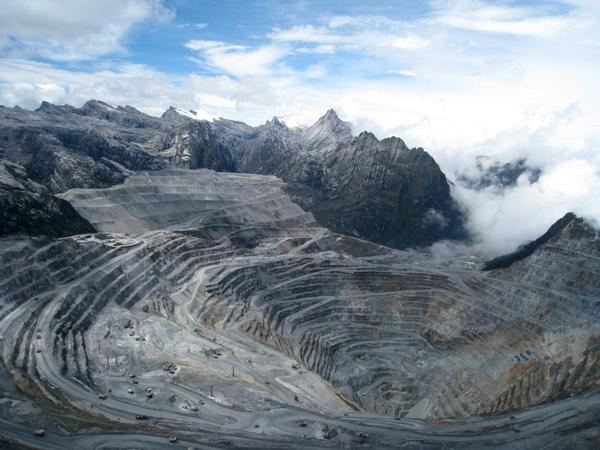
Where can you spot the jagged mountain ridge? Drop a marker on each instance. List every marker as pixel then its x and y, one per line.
pixel 362 186
pixel 377 190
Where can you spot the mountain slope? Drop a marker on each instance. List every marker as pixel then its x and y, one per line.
pixel 27 207
pixel 377 190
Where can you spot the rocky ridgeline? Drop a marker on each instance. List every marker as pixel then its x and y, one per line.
pixel 377 190
pixel 357 185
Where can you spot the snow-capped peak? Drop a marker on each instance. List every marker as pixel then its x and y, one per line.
pixel 196 114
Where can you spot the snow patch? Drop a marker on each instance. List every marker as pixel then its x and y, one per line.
pixel 197 114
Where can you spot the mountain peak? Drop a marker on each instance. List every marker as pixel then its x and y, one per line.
pixel 97 104
pixel 275 124
pixel 129 109
pixel 50 108
pixel 194 114
pixel 332 114
pixel 327 132
pixel 45 107
pixel 331 118
pixel 172 113
pixel 367 136
pixel 332 122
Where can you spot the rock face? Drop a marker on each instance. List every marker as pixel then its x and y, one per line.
pixel 526 250
pixel 557 287
pixel 327 133
pixel 63 147
pixel 57 148
pixel 27 207
pixel 235 309
pixel 378 190
pixel 195 145
pixel 189 200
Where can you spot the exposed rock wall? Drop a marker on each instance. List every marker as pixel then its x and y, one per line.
pixel 378 190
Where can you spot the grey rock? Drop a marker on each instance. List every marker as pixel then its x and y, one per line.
pixel 360 186
pixel 377 190
pixel 28 207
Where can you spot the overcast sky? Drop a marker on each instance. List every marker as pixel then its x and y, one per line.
pixel 507 79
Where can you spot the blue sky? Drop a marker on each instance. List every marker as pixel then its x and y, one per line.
pixel 247 23
pixel 252 24
pixel 504 78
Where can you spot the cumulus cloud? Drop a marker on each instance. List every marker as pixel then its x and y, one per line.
pixel 501 221
pixel 353 34
pixel 72 29
pixel 238 60
pixel 519 20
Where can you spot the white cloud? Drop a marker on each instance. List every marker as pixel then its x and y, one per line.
pixel 239 60
pixel 251 99
pixel 319 49
pixel 205 45
pixel 480 16
pixel 27 83
pixel 359 34
pixel 409 43
pixel 215 101
pixel 72 29
pixel 341 21
pixel 307 33
pixel 195 26
pixel 503 221
pixel 540 21
pixel 316 71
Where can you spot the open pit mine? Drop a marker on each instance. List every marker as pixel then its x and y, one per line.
pixel 192 308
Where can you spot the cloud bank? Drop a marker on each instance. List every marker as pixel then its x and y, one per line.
pixel 72 30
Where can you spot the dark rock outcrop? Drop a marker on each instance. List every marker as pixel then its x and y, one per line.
pixel 376 190
pixel 57 148
pixel 194 146
pixel 27 207
pixel 526 250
